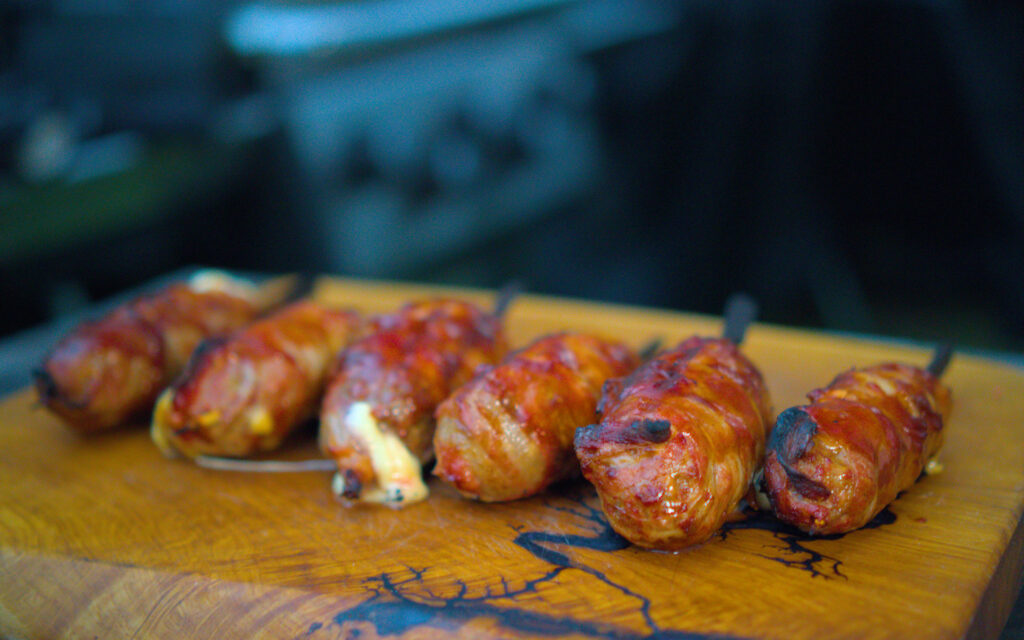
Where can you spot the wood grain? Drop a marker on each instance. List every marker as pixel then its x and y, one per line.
pixel 101 536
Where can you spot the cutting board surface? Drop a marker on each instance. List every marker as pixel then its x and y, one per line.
pixel 101 536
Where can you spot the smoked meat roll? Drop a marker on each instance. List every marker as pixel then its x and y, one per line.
pixel 678 443
pixel 377 418
pixel 833 464
pixel 244 393
pixel 108 372
pixel 508 433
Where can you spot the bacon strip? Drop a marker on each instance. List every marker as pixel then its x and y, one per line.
pixel 678 443
pixel 834 464
pixel 107 373
pixel 508 433
pixel 377 416
pixel 244 393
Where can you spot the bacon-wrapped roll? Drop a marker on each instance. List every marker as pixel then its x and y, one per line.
pixel 377 420
pixel 508 433
pixel 108 372
pixel 244 393
pixel 832 465
pixel 678 443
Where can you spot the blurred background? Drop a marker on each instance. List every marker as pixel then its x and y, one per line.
pixel 856 166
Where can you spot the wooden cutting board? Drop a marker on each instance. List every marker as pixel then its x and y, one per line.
pixel 102 537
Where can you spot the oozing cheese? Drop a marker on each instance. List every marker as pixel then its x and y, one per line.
pixel 399 476
pixel 158 431
pixel 261 423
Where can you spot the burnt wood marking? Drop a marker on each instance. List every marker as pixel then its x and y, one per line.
pixel 794 542
pixel 401 601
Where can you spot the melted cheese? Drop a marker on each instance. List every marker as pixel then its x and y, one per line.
pixel 209 418
pixel 884 384
pixel 398 472
pixel 158 431
pixel 261 423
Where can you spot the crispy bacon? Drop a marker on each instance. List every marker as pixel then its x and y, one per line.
pixel 377 418
pixel 107 373
pixel 833 464
pixel 508 433
pixel 678 443
pixel 243 394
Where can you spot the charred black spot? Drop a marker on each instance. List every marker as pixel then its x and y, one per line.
pixel 353 485
pixel 792 435
pixel 805 486
pixel 639 432
pixel 653 430
pixel 46 386
pixel 791 438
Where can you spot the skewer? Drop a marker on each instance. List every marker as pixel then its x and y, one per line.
pixel 649 350
pixel 940 359
pixel 823 473
pixel 265 466
pixel 740 311
pixel 673 452
pixel 508 292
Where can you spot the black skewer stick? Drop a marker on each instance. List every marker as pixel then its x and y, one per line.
pixel 266 466
pixel 940 359
pixel 740 311
pixel 509 292
pixel 650 349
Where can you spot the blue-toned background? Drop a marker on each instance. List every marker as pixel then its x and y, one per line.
pixel 856 166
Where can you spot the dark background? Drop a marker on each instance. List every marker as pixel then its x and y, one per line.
pixel 856 166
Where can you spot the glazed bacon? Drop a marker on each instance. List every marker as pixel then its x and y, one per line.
pixel 377 419
pixel 245 393
pixel 108 372
pixel 678 443
pixel 833 464
pixel 508 433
